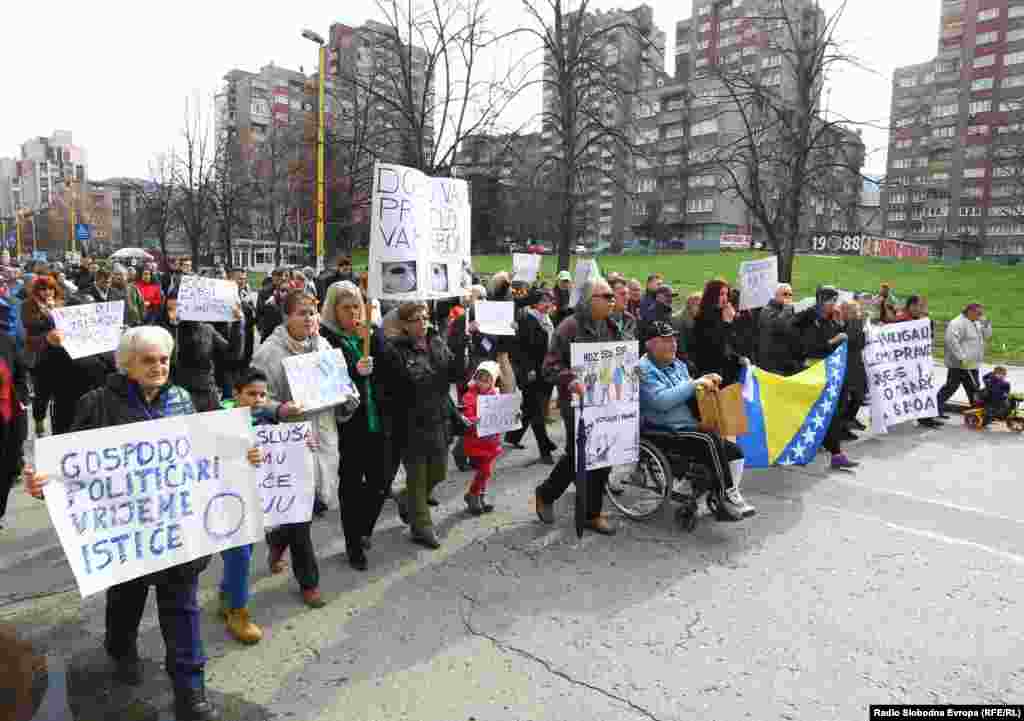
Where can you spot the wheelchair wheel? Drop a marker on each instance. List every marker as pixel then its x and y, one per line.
pixel 1015 424
pixel 644 485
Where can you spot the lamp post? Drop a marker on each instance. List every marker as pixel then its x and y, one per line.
pixel 316 38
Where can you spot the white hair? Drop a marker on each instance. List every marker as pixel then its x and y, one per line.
pixel 136 339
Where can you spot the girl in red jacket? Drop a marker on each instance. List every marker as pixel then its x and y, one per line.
pixel 481 452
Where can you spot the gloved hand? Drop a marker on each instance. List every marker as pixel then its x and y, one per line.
pixel 744 361
pixel 531 376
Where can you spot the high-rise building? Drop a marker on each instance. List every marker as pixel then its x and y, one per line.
pixel 687 120
pixel 956 143
pixel 45 167
pixel 637 55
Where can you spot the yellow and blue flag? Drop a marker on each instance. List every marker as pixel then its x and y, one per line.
pixel 788 416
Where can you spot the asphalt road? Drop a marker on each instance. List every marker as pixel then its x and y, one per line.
pixel 897 583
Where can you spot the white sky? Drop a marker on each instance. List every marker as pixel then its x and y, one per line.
pixel 116 73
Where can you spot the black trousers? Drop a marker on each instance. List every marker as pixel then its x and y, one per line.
pixel 535 405
pixel 832 442
pixel 43 392
pixel 564 473
pixel 956 377
pixel 178 610
pixel 708 449
pixel 368 465
pixel 296 537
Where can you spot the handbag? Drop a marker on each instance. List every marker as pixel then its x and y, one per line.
pixel 722 411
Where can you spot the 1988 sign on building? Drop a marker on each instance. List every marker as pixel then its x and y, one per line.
pixel 837 244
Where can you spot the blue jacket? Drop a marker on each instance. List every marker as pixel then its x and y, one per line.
pixel 664 394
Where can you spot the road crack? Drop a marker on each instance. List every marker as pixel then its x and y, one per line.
pixel 547 665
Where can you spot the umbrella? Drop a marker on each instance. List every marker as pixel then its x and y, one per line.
pixel 581 474
pixel 126 253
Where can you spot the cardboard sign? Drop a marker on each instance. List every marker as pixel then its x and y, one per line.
pixel 90 329
pixel 499 413
pixel 526 266
pixel 286 473
pixel 611 400
pixel 758 281
pixel 901 373
pixel 319 380
pixel 586 271
pixel 495 317
pixel 131 500
pixel 419 235
pixel 207 299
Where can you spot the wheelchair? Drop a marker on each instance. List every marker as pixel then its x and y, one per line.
pixel 639 490
pixel 974 417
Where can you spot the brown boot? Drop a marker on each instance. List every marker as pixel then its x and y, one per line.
pixel 275 559
pixel 601 525
pixel 242 628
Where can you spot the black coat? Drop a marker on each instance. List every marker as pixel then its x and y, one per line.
pixel 413 397
pixel 198 349
pixel 362 383
pixel 468 349
pixel 531 347
pixel 856 373
pixel 714 348
pixel 779 348
pixel 268 317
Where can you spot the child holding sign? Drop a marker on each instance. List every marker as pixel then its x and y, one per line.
pixel 482 452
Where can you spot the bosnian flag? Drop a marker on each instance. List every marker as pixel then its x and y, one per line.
pixel 788 416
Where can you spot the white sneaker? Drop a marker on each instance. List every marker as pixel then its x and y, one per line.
pixel 734 497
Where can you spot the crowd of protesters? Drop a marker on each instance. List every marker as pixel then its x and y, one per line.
pixel 405 413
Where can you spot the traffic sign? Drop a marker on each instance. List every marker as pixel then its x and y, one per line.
pixel 83 231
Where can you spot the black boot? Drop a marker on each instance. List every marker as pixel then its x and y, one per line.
pixel 127 667
pixel 191 705
pixel 473 504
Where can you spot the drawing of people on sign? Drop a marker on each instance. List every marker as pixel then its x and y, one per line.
pixel 618 382
pixel 399 277
pixel 439 277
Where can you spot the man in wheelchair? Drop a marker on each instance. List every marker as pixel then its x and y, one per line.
pixel 666 391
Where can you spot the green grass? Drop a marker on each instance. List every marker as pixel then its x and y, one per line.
pixel 948 287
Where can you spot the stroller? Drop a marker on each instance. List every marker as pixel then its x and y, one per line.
pixel 1012 414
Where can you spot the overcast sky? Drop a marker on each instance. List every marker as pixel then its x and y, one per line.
pixel 116 74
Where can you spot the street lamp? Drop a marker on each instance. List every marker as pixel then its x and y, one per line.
pixel 316 38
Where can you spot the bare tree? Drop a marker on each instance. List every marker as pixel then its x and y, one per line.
pixel 776 151
pixel 276 180
pixel 231 187
pixel 193 168
pixel 588 93
pixel 156 201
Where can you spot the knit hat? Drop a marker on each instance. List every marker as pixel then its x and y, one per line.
pixel 490 368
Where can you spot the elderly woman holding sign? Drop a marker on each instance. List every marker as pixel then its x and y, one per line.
pixel 142 392
pixel 296 336
pixel 369 460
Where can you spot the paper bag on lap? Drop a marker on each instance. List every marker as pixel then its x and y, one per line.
pixel 722 411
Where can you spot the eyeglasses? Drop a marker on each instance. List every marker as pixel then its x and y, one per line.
pixel 420 319
pixel 787 293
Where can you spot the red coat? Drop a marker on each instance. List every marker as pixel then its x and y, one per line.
pixel 150 293
pixel 476 447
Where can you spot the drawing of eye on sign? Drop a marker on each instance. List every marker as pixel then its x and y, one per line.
pixel 319 380
pixel 131 500
pixel 207 299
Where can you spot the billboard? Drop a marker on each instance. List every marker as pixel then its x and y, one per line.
pixel 836 244
pixel 892 248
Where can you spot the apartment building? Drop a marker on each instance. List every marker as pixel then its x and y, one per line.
pixel 605 183
pixel 957 130
pixel 42 171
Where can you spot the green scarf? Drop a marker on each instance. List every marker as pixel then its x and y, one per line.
pixel 355 345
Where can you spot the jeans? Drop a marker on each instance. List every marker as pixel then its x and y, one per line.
pixel 564 473
pixel 178 611
pixel 956 377
pixel 296 537
pixel 235 582
pixel 368 466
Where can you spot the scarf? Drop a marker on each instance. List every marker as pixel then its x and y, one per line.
pixel 354 344
pixel 545 321
pixel 299 347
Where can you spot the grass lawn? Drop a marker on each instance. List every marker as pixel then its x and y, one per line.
pixel 948 287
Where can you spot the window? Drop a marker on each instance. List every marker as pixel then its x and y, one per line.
pixel 986 38
pixel 938 177
pixel 901 163
pixel 984 61
pixel 1017 11
pixel 1013 58
pixel 904 144
pixel 750 50
pixel 982 84
pixel 772 61
pixel 969 211
pixel 674 159
pixel 701 62
pixel 733 57
pixel 904 122
pixel 705 127
pixel 974 191
pixel 700 205
pixel 774 78
pixel 944 111
pixel 907 82
pixel 646 185
pixel 974 172
pixel 897 216
pixel 675 131
pixel 977 130
pixel 1013 81
pixel 1015 35
pixel 701 181
pixel 897 198
pixel 975 152
pixel 990 14
pixel 948 131
pixel 979 106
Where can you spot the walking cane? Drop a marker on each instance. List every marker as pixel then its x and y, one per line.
pixel 581 472
pixel 364 282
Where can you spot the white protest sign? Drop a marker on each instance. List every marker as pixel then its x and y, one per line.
pixel 319 380
pixel 526 266
pixel 901 373
pixel 207 299
pixel 90 329
pixel 495 317
pixel 586 271
pixel 758 281
pixel 131 500
pixel 499 413
pixel 611 401
pixel 419 235
pixel 286 473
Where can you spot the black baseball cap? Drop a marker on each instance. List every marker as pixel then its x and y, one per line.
pixel 661 329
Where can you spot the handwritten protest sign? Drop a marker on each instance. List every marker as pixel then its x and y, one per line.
pixel 526 266
pixel 419 235
pixel 758 281
pixel 499 413
pixel 495 317
pixel 319 380
pixel 90 329
pixel 286 473
pixel 206 299
pixel 131 500
pixel 901 373
pixel 586 271
pixel 611 401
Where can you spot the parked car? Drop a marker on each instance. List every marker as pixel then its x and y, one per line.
pixel 580 250
pixel 537 249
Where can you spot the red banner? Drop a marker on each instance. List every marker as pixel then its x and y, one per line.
pixel 891 248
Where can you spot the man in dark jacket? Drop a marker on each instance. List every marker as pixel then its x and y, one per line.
pixel 650 299
pixel 779 348
pixel 592 322
pixel 661 313
pixel 342 271
pixel 533 335
pixel 228 369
